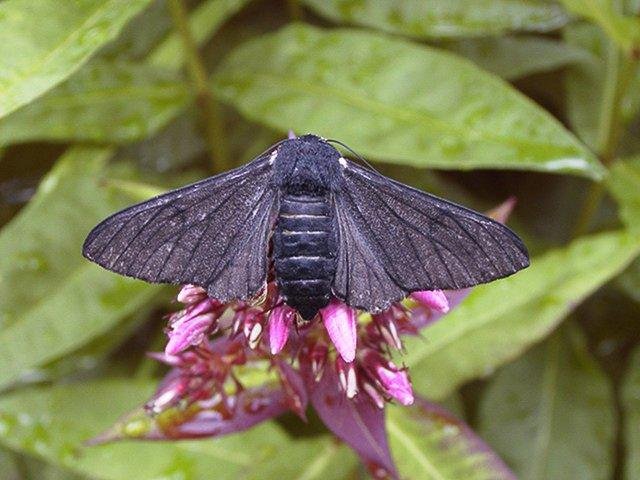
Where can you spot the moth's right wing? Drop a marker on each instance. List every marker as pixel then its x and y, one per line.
pixel 395 240
pixel 214 233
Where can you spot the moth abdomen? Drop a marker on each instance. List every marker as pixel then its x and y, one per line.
pixel 305 243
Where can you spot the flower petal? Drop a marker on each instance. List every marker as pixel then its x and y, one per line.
pixel 358 422
pixel 280 323
pixel 434 299
pixel 191 294
pixel 188 332
pixel 396 383
pixel 422 316
pixel 340 321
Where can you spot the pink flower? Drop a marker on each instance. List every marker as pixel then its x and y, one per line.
pixel 340 321
pixel 434 299
pixel 280 322
pixel 193 324
pixel 393 381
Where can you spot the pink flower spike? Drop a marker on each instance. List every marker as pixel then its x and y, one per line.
pixel 292 135
pixel 396 383
pixel 188 331
pixel 393 380
pixel 340 321
pixel 434 299
pixel 280 323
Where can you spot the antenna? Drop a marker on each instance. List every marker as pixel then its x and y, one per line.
pixel 360 157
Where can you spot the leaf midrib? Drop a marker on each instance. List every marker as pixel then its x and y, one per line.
pixel 318 465
pixel 414 449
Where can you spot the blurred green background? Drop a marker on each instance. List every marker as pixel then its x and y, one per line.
pixel 108 102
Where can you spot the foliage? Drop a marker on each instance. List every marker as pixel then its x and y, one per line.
pixel 543 96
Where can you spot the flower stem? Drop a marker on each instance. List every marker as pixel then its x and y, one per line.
pixel 208 107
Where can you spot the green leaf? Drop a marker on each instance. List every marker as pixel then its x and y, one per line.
pixel 624 185
pixel 429 443
pixel 515 57
pixel 52 300
pixel 53 423
pixel 631 405
pixel 443 18
pixel 104 102
pixel 395 101
pixel 601 94
pixel 585 83
pixel 203 22
pixel 550 414
pixel 499 321
pixel 44 42
pixel 624 30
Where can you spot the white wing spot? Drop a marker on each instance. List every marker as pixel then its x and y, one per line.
pixel 272 157
pixel 343 162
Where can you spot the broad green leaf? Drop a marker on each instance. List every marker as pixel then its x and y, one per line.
pixel 52 300
pixel 624 30
pixel 515 57
pixel 116 101
pixel 631 406
pixel 429 443
pixel 550 414
pixel 445 18
pixel 395 101
pixel 44 42
pixel 624 185
pixel 497 322
pixel 104 102
pixel 53 423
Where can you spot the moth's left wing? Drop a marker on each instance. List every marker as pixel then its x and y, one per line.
pixel 395 240
pixel 214 233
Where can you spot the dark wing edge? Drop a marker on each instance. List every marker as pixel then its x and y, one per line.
pixel 214 233
pixel 395 240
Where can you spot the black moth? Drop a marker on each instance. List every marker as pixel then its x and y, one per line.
pixel 322 225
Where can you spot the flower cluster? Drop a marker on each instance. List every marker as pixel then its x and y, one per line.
pixel 269 330
pixel 342 363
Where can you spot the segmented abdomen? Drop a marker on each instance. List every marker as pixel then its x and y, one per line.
pixel 304 251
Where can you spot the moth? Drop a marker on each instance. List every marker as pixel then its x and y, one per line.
pixel 319 224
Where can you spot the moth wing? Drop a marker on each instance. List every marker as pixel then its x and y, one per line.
pixel 214 233
pixel 395 240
